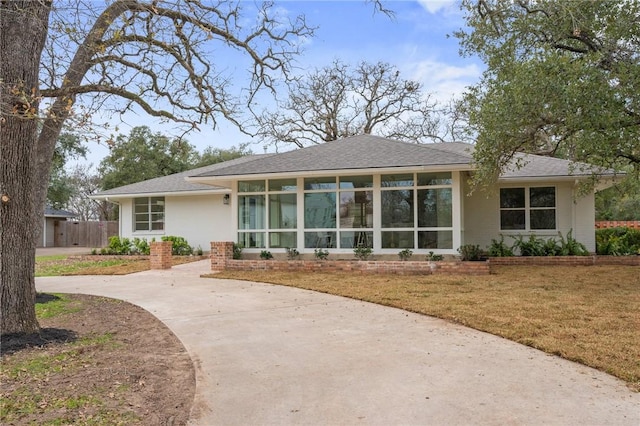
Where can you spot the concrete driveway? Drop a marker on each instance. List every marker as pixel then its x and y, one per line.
pixel 268 355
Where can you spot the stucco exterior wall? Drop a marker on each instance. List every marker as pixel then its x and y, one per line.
pixel 199 219
pixel 482 216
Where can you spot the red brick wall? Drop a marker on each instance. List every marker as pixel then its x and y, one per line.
pixel 160 257
pixel 222 258
pixel 566 260
pixel 360 266
pixel 635 224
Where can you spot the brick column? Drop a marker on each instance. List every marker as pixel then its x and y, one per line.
pixel 160 257
pixel 221 251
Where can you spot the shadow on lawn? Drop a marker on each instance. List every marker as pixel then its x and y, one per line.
pixel 14 342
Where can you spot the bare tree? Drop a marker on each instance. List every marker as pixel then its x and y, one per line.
pixel 61 62
pixel 338 101
pixel 85 183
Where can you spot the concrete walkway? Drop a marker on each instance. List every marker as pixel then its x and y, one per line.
pixel 272 355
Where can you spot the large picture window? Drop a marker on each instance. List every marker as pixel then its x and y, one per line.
pixel 531 208
pixel 271 211
pixel 338 212
pixel 148 214
pixel 417 211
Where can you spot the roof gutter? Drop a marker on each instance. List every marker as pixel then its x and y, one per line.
pixel 342 172
pixel 111 197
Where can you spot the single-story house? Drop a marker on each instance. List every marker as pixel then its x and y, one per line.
pixel 46 234
pixel 359 191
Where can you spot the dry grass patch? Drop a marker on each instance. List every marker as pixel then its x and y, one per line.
pixel 586 314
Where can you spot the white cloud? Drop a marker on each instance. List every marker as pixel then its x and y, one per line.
pixel 443 81
pixel 434 6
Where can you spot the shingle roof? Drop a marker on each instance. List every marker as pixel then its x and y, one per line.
pixel 356 152
pixel 175 182
pixel 51 212
pixel 534 166
pixel 353 153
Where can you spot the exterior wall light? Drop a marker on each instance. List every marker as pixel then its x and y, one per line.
pixel 225 199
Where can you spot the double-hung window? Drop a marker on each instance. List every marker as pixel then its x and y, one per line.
pixel 529 208
pixel 149 214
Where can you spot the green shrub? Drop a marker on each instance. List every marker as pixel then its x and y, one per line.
pixel 119 246
pixel 618 241
pixel 266 255
pixel 534 246
pixel 237 251
pixel 140 246
pixel 292 253
pixel 470 252
pixel 405 254
pixel 321 254
pixel 362 252
pixel 571 247
pixel 432 257
pixel 180 246
pixel 499 248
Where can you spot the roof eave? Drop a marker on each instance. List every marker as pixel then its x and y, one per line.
pixel 108 197
pixel 325 172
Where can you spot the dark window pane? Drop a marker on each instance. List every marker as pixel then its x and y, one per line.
pixel 441 178
pixel 348 182
pixel 283 239
pixel 397 209
pixel 397 180
pixel 512 219
pixel 434 208
pixel 511 198
pixel 397 239
pixel 320 240
pixel 282 211
pixel 356 209
pixel 543 219
pixel 282 185
pixel 352 239
pixel 320 210
pixel 435 239
pixel 542 197
pixel 328 182
pixel 251 239
pixel 251 212
pixel 251 186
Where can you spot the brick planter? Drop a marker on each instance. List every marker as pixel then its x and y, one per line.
pixel 160 257
pixel 565 260
pixel 222 259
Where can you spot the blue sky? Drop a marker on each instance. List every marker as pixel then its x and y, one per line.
pixel 415 41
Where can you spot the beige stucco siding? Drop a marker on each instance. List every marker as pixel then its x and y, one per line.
pixel 482 216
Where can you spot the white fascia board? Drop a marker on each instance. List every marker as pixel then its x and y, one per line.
pixel 161 194
pixel 548 178
pixel 333 172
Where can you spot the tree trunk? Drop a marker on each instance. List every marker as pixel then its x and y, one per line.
pixel 23 29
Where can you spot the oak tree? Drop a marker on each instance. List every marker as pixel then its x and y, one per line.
pixel 61 62
pixel 562 79
pixel 338 101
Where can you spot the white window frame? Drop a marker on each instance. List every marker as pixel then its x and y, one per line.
pixel 528 209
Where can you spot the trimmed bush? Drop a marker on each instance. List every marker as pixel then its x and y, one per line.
pixel 180 246
pixel 618 241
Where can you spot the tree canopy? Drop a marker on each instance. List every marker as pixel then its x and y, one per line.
pixel 59 192
pixel 562 79
pixel 62 61
pixel 144 155
pixel 338 101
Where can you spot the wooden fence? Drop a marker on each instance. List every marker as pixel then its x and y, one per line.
pixel 83 234
pixel 635 224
